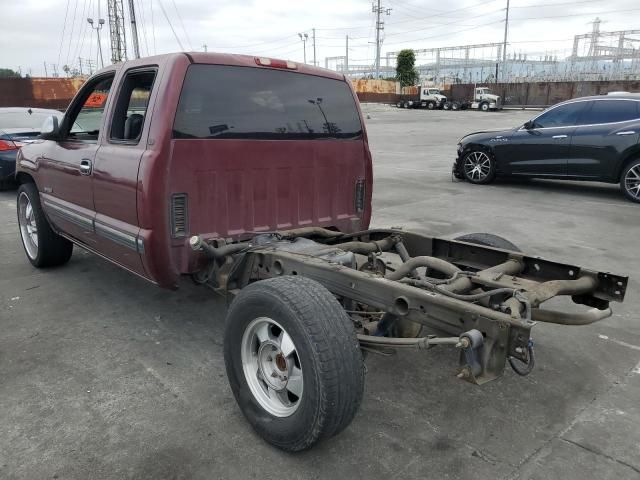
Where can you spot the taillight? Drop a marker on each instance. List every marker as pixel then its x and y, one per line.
pixel 7 145
pixel 272 62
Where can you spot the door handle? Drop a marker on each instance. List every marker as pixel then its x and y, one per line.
pixel 85 167
pixel 559 136
pixel 626 132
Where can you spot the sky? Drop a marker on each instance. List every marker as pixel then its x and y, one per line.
pixel 55 32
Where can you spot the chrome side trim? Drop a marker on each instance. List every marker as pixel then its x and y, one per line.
pixel 121 238
pixel 133 242
pixel 71 216
pixel 89 249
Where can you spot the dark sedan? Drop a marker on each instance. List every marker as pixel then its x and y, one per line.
pixel 589 138
pixel 18 125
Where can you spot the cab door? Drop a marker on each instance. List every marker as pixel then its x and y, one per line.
pixel 66 165
pixel 115 173
pixel 610 128
pixel 541 147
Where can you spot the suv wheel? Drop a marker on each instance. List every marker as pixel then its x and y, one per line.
pixel 478 167
pixel 44 247
pixel 630 181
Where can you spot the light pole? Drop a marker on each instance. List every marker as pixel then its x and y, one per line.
pixel 304 37
pixel 97 29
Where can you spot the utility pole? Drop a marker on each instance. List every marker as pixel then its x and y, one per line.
pixel 80 65
pixel 304 37
pixel 204 46
pixel 346 56
pixel 378 10
pixel 314 48
pixel 134 30
pixel 46 74
pixel 504 46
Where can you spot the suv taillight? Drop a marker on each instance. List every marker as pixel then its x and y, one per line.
pixel 7 145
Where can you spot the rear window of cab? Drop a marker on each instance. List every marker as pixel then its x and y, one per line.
pixel 221 101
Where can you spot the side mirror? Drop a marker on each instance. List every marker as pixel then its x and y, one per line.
pixel 529 125
pixel 50 128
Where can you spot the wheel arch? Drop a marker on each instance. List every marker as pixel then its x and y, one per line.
pixel 24 177
pixel 632 155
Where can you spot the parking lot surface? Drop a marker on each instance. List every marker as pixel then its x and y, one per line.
pixel 104 376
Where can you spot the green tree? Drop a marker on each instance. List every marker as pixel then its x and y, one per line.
pixel 406 72
pixel 7 72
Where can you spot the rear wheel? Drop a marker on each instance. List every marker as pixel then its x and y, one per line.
pixel 630 181
pixel 489 240
pixel 44 247
pixel 455 106
pixel 478 167
pixel 293 361
pixel 446 106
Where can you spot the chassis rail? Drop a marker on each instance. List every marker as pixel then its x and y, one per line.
pixel 480 299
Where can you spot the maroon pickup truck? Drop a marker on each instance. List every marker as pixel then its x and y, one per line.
pixel 253 176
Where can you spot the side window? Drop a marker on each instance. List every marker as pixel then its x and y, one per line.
pixel 131 106
pixel 85 120
pixel 563 116
pixel 608 111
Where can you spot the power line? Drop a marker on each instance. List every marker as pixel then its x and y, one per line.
pixel 182 24
pixel 73 25
pixel 64 27
pixel 164 12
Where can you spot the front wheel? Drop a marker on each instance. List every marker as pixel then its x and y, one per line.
pixel 44 247
pixel 478 167
pixel 431 105
pixel 630 181
pixel 484 106
pixel 293 361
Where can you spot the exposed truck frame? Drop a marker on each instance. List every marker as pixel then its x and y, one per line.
pixel 489 296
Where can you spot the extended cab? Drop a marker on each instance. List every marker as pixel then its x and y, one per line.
pixel 253 176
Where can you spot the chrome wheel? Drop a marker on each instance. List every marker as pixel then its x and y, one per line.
pixel 477 166
pixel 632 182
pixel 272 367
pixel 28 226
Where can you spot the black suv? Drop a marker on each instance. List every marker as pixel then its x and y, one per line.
pixel 589 138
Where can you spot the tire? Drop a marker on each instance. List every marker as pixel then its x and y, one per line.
pixel 325 354
pixel 446 106
pixel 479 167
pixel 489 240
pixel 43 247
pixel 405 105
pixel 484 106
pixel 455 106
pixel 399 105
pixel 630 181
pixel 431 105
